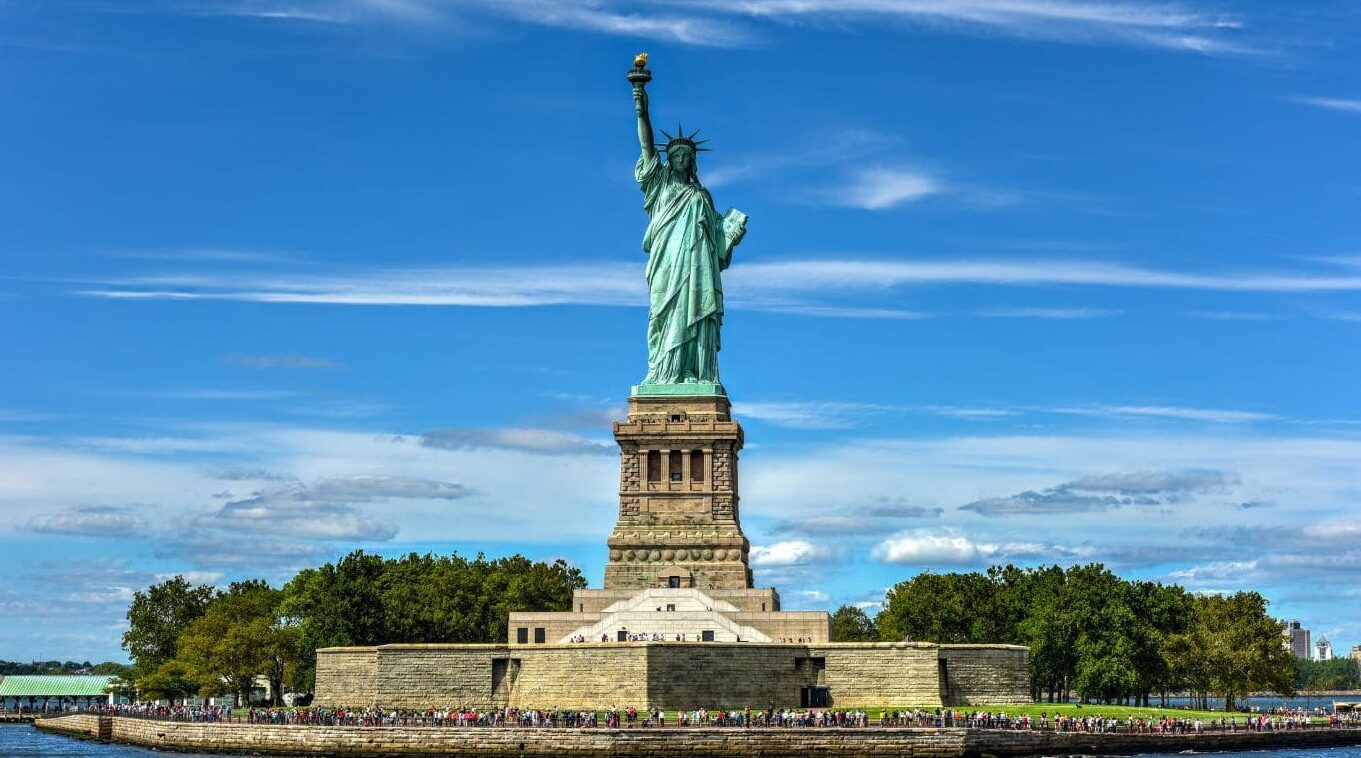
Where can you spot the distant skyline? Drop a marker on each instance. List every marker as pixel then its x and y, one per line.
pixel 1036 281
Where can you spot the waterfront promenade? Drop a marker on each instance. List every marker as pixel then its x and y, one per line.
pixel 699 741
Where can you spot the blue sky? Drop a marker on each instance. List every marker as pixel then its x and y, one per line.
pixel 1029 281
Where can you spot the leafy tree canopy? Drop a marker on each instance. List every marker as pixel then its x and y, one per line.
pixel 850 624
pixel 1095 634
pixel 186 639
pixel 156 618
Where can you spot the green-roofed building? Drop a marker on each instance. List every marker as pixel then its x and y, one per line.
pixel 53 691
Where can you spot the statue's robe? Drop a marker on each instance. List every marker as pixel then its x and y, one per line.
pixel 687 248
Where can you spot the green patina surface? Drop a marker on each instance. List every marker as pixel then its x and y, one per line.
pixel 694 389
pixel 688 244
pixel 55 686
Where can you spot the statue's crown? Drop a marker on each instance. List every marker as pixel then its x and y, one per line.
pixel 682 140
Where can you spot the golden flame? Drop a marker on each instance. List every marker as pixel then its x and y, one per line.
pixel 640 61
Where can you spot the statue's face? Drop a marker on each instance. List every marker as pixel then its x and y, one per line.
pixel 682 160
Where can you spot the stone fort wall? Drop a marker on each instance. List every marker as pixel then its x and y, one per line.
pixel 671 675
pixel 695 742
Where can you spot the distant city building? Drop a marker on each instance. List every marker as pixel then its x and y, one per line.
pixel 1295 639
pixel 1323 650
pixel 1355 654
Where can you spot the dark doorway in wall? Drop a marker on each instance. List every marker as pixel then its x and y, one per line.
pixel 503 674
pixel 815 697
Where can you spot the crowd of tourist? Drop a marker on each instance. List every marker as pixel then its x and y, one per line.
pixel 642 637
pixel 189 713
pixel 632 717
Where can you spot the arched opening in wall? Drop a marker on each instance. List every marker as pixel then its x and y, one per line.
pixel 696 465
pixel 674 465
pixel 654 465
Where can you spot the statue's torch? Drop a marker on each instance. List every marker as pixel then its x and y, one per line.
pixel 639 74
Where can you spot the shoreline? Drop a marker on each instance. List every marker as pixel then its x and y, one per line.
pixel 667 742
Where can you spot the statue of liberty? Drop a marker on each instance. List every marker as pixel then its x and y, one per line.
pixel 688 244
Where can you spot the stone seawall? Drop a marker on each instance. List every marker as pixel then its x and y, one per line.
pixel 394 742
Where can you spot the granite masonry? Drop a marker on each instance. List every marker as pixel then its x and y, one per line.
pixel 695 742
pixel 673 675
pixel 678 624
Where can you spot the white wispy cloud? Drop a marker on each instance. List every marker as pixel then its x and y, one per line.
pixel 810 415
pixel 279 361
pixel 1241 572
pixel 1171 26
pixel 161 445
pixel 92 521
pixel 788 553
pixel 1106 492
pixel 804 275
pixel 1049 313
pixel 1333 103
pixel 1339 315
pixel 529 440
pixel 491 287
pixel 837 311
pixel 1179 27
pixel 813 414
pixel 925 547
pixel 807 286
pixel 1210 415
pixel 624 19
pixel 1231 315
pixel 224 394
pixel 840 148
pixel 676 24
pixel 194 577
pixel 877 189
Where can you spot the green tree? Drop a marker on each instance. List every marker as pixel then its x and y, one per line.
pixel 1231 648
pixel 368 600
pixel 937 608
pixel 850 624
pixel 335 605
pixel 1050 629
pixel 1106 628
pixel 110 668
pixel 239 637
pixel 1318 676
pixel 1163 611
pixel 156 618
pixel 170 681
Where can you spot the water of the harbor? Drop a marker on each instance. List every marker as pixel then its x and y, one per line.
pixel 23 741
pixel 1269 702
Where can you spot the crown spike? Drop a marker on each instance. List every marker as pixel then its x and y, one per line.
pixel 681 139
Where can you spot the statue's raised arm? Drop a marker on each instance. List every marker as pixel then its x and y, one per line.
pixel 639 77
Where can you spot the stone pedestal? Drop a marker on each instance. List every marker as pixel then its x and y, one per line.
pixel 678 520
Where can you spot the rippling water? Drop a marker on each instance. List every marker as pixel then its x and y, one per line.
pixel 21 741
